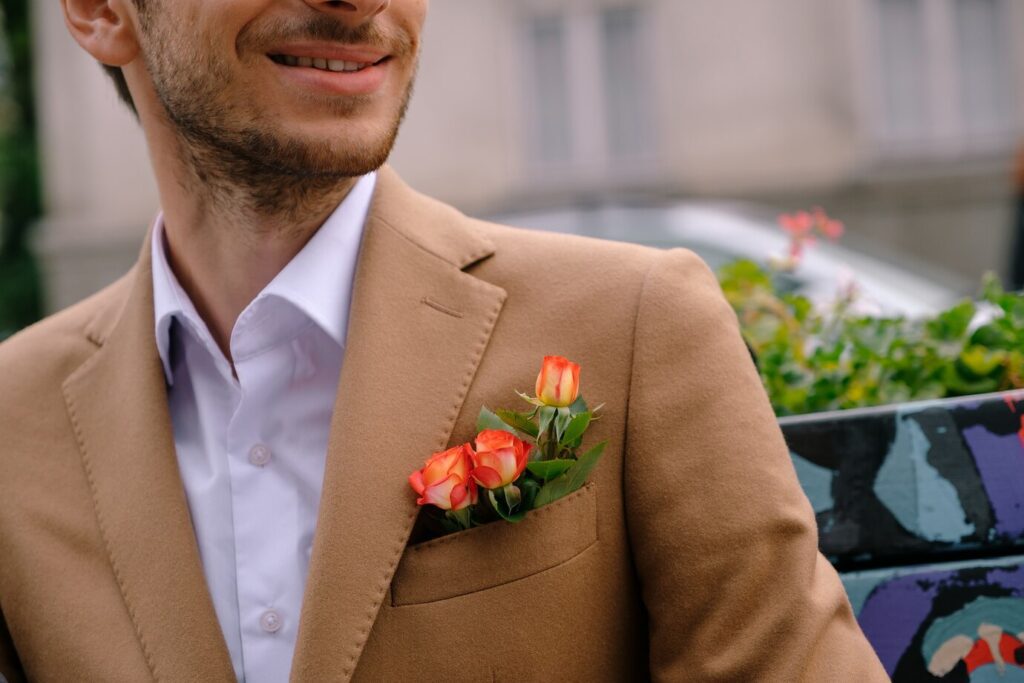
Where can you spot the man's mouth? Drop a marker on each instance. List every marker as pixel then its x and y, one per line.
pixel 332 69
pixel 323 63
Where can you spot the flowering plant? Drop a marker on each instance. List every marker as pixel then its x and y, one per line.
pixel 521 459
pixel 841 356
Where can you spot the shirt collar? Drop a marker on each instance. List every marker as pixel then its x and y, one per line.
pixel 317 281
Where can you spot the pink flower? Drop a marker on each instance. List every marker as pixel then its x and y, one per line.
pixel 499 459
pixel 829 227
pixel 445 479
pixel 799 224
pixel 803 228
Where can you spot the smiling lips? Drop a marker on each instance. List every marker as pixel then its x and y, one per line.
pixel 332 69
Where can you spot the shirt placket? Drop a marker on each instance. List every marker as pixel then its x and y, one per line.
pixel 264 516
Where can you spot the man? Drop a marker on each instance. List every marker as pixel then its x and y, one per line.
pixel 1018 221
pixel 204 467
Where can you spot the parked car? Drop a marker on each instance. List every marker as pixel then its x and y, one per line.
pixel 721 233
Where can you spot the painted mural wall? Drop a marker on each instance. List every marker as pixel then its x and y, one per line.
pixel 921 507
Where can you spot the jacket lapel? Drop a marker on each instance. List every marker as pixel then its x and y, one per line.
pixel 117 402
pixel 418 328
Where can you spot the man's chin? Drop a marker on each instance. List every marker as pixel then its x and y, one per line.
pixel 337 163
pixel 319 151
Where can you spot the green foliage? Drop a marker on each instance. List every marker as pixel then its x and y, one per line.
pixel 573 479
pixel 20 296
pixel 550 469
pixel 812 360
pixel 489 420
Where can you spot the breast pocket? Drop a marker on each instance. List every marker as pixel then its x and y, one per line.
pixel 497 553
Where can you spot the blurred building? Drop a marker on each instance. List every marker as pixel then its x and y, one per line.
pixel 900 116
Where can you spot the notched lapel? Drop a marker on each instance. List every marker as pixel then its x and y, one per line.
pixel 117 403
pixel 418 328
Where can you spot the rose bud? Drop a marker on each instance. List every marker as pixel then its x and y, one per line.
pixel 499 459
pixel 558 383
pixel 445 479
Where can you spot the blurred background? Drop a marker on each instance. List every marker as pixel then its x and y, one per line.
pixel 656 121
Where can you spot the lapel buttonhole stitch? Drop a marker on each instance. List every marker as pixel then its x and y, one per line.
pixel 437 306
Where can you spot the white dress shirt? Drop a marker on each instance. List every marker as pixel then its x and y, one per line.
pixel 252 450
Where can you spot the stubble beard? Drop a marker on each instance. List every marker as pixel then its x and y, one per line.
pixel 240 162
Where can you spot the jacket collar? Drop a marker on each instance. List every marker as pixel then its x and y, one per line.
pixel 417 330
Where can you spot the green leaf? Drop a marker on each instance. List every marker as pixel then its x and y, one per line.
pixel 578 406
pixel 573 479
pixel 953 323
pixel 520 421
pixel 575 429
pixel 488 420
pixel 529 488
pixel 501 507
pixel 460 518
pixel 547 414
pixel 513 496
pixel 979 362
pixel 530 399
pixel 994 336
pixel 550 469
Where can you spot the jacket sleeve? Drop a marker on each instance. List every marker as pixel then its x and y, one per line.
pixel 10 667
pixel 723 537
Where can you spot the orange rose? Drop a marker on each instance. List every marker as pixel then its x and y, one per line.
pixel 499 459
pixel 558 383
pixel 445 479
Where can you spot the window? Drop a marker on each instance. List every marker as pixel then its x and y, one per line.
pixel 903 55
pixel 627 97
pixel 984 56
pixel 550 98
pixel 944 79
pixel 589 105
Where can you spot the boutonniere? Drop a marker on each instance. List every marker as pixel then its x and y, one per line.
pixel 519 461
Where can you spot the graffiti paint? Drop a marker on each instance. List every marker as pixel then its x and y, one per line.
pixel 953 622
pixel 922 508
pixel 930 478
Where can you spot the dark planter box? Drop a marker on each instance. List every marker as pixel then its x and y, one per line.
pixel 921 508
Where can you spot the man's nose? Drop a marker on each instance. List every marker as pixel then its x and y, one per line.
pixel 352 12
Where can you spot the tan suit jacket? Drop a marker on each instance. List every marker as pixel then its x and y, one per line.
pixel 691 555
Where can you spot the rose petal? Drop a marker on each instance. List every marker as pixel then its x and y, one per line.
pixel 488 477
pixel 416 481
pixel 458 496
pixel 440 493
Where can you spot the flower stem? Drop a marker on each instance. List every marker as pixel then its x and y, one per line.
pixel 551 445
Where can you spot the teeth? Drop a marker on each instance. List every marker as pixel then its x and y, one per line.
pixel 321 63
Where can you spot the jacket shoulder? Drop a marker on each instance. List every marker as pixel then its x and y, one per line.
pixel 564 247
pixel 578 258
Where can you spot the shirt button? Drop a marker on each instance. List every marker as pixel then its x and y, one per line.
pixel 259 455
pixel 270 621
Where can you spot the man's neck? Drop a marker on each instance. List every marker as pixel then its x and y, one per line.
pixel 224 255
